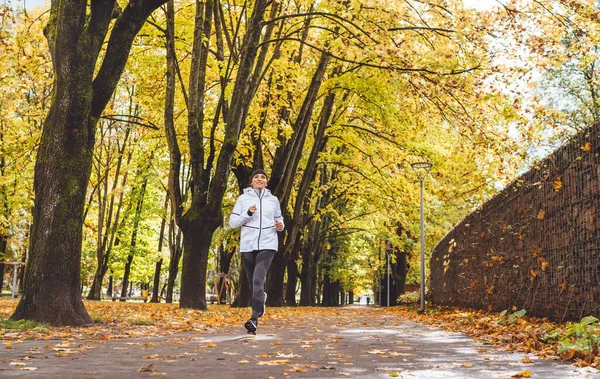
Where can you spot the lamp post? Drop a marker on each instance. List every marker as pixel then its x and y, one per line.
pixel 422 169
pixel 387 253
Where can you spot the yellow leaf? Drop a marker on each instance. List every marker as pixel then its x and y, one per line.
pixel 544 265
pixel 526 359
pixel 557 185
pixel 212 344
pixel 243 362
pixel 467 364
pixel 541 215
pixel 394 374
pixel 522 374
pixel 586 147
pixel 274 362
pixel 8 345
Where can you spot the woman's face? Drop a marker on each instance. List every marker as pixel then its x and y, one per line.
pixel 259 181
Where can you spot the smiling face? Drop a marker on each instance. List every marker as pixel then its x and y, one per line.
pixel 259 181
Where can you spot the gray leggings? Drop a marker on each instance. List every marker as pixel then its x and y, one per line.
pixel 257 264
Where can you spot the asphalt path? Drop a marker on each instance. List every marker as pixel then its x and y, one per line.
pixel 358 344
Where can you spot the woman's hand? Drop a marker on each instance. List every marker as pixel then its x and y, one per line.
pixel 251 210
pixel 278 225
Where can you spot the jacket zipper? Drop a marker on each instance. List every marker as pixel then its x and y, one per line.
pixel 260 219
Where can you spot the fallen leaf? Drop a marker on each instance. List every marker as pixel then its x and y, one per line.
pixel 149 368
pixel 29 368
pixel 274 362
pixel 522 374
pixel 291 355
pixel 377 351
pixel 17 364
pixel 526 359
pixel 8 345
pixel 243 362
pixel 394 374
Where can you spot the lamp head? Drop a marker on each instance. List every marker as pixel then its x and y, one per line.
pixel 421 168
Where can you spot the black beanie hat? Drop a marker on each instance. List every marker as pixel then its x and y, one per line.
pixel 258 171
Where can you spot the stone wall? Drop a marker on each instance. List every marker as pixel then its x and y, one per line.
pixel 535 245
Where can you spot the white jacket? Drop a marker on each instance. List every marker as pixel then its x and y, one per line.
pixel 258 230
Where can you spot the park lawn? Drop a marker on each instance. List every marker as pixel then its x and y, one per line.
pixel 136 319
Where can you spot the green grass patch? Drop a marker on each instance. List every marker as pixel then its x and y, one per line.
pixel 22 325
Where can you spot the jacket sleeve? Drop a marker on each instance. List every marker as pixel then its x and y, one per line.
pixel 238 216
pixel 278 215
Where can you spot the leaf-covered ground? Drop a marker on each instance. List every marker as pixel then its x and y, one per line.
pixel 134 319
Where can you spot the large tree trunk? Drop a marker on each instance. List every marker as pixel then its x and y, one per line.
pixel 52 290
pixel 197 236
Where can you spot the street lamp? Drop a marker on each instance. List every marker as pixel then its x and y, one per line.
pixel 388 251
pixel 422 169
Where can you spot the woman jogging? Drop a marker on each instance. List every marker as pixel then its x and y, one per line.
pixel 258 213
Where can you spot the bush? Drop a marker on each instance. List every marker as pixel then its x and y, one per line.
pixel 412 297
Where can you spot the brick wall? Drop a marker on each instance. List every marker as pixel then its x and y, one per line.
pixel 535 245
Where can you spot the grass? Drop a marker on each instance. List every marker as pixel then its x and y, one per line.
pixel 23 325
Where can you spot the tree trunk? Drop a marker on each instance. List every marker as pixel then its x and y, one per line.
pixel 161 237
pixel 209 178
pixel 306 280
pixel 52 290
pixel 292 271
pixel 244 295
pixel 109 291
pixel 225 256
pixel 176 252
pixel 197 236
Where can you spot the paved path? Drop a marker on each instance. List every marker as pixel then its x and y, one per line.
pixel 371 345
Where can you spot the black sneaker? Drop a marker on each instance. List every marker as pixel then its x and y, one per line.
pixel 264 307
pixel 251 325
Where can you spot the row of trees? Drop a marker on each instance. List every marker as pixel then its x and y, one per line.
pixel 140 113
